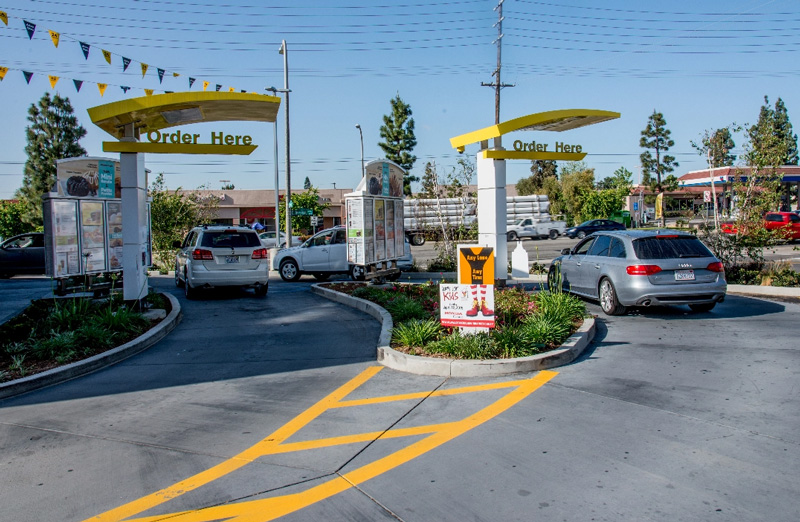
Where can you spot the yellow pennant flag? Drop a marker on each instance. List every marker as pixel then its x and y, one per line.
pixel 102 88
pixel 3 71
pixel 205 85
pixel 107 56
pixel 148 92
pixel 175 75
pixel 53 81
pixel 54 36
pixel 144 69
pixel 231 89
pixel 4 17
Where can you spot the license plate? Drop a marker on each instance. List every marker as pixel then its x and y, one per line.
pixel 684 275
pixel 235 259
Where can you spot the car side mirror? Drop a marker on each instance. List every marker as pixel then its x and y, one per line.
pixel 566 252
pixel 176 244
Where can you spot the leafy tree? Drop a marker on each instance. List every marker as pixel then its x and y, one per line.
pixel 172 215
pixel 621 179
pixel 771 138
pixel 308 199
pixel 11 222
pixel 53 134
pixel 399 140
pixel 656 138
pixel 600 203
pixel 576 179
pixel 307 184
pixel 228 186
pixel 540 170
pixel 717 146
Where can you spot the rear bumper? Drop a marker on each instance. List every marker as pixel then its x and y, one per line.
pixel 200 277
pixel 664 295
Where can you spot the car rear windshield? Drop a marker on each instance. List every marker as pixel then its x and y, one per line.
pixel 230 239
pixel 670 247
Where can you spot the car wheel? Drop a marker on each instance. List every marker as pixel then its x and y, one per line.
pixel 289 270
pixel 608 298
pixel 189 291
pixel 552 283
pixel 357 273
pixel 553 234
pixel 417 240
pixel 178 281
pixel 321 276
pixel 261 290
pixel 704 307
pixel 581 234
pixel 512 236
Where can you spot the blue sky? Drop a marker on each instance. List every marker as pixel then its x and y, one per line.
pixel 704 65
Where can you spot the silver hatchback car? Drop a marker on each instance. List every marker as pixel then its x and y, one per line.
pixel 629 268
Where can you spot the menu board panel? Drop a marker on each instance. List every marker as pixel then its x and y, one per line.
pixel 93 236
pixel 380 230
pixel 399 232
pixel 114 220
pixel 390 245
pixel 65 217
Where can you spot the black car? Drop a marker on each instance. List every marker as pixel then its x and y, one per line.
pixel 593 225
pixel 22 254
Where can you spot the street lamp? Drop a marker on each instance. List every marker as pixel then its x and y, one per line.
pixel 362 148
pixel 285 52
pixel 275 92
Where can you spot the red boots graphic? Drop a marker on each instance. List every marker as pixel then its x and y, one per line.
pixel 479 304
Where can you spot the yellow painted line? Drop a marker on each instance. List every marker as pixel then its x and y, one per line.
pixel 271 508
pixel 527 155
pixel 177 148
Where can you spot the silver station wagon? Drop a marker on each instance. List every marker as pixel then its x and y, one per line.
pixel 637 268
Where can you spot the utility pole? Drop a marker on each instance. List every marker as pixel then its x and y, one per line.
pixel 497 84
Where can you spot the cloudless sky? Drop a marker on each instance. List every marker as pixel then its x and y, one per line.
pixel 704 65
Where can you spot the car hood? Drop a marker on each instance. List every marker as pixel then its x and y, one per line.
pixel 286 251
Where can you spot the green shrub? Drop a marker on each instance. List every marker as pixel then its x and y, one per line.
pixel 374 294
pixel 69 314
pixel 478 346
pixel 560 306
pixel 404 308
pixel 513 342
pixel 58 344
pixel 92 337
pixel 543 329
pixel 511 306
pixel 122 320
pixel 416 333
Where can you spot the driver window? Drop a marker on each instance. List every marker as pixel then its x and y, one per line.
pixel 340 238
pixel 584 247
pixel 600 246
pixel 322 240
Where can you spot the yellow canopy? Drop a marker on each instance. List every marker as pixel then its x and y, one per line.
pixel 558 121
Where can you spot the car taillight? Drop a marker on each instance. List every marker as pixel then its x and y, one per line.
pixel 199 254
pixel 716 267
pixel 643 269
pixel 261 253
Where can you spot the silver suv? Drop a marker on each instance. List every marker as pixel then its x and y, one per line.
pixel 220 255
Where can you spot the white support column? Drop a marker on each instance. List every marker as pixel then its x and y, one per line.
pixel 492 212
pixel 134 221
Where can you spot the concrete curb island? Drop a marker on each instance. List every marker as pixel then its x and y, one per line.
pixel 96 362
pixel 570 350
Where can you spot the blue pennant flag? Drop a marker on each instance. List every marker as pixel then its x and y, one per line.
pixel 31 28
pixel 85 49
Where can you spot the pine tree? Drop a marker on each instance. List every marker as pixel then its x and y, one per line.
pixel 717 146
pixel 53 133
pixel 656 137
pixel 771 138
pixel 398 132
pixel 307 184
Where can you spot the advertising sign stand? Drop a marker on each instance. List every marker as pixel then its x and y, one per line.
pixel 470 303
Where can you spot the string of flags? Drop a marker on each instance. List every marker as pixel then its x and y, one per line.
pixel 56 38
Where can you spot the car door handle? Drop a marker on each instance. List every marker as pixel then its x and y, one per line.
pixel 597 267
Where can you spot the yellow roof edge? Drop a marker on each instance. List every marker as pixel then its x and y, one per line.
pixel 177 148
pixel 493 131
pixel 527 155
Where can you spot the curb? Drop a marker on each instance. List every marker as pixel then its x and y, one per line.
pixel 96 362
pixel 775 291
pixel 570 350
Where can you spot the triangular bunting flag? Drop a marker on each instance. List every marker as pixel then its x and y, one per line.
pixel 231 89
pixel 219 87
pixel 169 92
pixel 3 71
pixel 54 36
pixel 107 56
pixel 125 63
pixel 124 88
pixel 160 75
pixel 53 81
pixel 242 90
pixel 175 75
pixel 102 88
pixel 28 76
pixel 78 84
pixel 191 82
pixel 148 92
pixel 85 49
pixel 4 17
pixel 144 69
pixel 205 85
pixel 31 28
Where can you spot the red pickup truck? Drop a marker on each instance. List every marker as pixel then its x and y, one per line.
pixel 787 222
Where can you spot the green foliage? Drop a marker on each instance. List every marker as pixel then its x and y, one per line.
pixel 11 219
pixel 621 179
pixel 416 332
pixel 560 306
pixel 399 140
pixel 308 199
pixel 540 171
pixel 478 346
pixel 511 306
pixel 55 345
pixel 54 133
pixel 545 329
pixel 600 203
pixel 717 146
pixel 771 138
pixel 576 180
pixel 656 138
pixel 404 308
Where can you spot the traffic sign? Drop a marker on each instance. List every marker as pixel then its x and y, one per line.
pixel 302 212
pixel 314 221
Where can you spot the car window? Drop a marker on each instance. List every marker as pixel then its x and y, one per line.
pixel 340 238
pixel 600 246
pixel 229 239
pixel 794 218
pixel 21 242
pixel 617 248
pixel 669 247
pixel 322 239
pixel 774 217
pixel 582 248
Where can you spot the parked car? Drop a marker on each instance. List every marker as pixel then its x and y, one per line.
pixel 534 229
pixel 221 255
pixel 641 268
pixel 593 225
pixel 268 239
pixel 325 254
pixel 787 223
pixel 22 254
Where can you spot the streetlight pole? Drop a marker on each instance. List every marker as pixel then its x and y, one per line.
pixel 285 52
pixel 362 148
pixel 277 188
